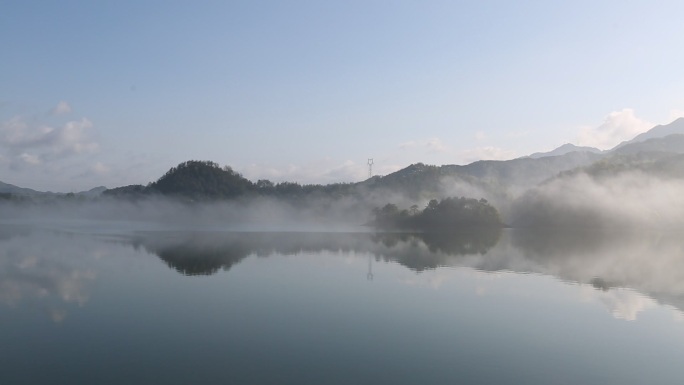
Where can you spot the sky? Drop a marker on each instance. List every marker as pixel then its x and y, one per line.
pixel 115 93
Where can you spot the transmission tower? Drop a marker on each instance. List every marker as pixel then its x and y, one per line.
pixel 370 168
pixel 369 276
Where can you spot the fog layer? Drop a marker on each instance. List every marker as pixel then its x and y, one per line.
pixel 627 199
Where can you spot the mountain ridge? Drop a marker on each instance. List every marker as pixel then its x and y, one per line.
pixel 659 131
pixel 564 149
pixel 522 172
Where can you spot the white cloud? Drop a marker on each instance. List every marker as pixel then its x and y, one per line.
pixel 61 108
pixel 435 151
pixel 16 133
pixel 485 153
pixel 429 145
pixel 519 134
pixel 74 137
pixel 324 171
pixel 347 171
pixel 30 159
pixel 46 156
pixel 616 128
pixel 435 144
pixel 99 168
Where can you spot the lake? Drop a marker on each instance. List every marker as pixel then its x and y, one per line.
pixel 103 304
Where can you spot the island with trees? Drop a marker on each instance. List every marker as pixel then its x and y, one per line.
pixel 444 215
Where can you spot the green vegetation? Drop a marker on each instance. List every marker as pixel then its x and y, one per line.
pixel 560 191
pixel 196 180
pixel 201 179
pixel 125 191
pixel 449 213
pixel 206 180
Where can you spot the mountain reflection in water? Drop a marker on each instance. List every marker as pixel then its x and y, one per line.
pixel 274 308
pixel 205 253
pixel 651 263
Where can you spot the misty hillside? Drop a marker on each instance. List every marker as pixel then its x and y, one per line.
pixel 634 190
pixel 490 179
pixel 207 181
pixel 675 127
pixel 420 181
pixel 7 188
pixel 494 180
pixel 93 192
pixel 654 163
pixel 575 188
pixel 523 171
pixel 673 143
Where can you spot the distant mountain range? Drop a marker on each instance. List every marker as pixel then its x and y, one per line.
pixel 634 145
pixel 495 177
pixel 660 131
pixel 494 180
pixel 565 149
pixel 6 188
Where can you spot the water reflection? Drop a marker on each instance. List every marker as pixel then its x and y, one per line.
pixel 650 263
pixel 53 267
pixel 49 273
pixel 423 251
pixel 196 253
pixel 278 300
pixel 205 253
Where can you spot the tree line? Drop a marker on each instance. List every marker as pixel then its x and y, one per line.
pixel 445 214
pixel 206 180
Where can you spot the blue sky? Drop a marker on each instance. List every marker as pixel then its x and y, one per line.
pixel 115 93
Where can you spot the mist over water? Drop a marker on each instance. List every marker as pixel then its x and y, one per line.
pixel 651 263
pixel 629 199
pixel 586 286
pixel 575 190
pixel 265 288
pixel 338 307
pixel 248 214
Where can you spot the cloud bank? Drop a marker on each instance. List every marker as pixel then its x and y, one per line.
pixel 34 147
pixel 617 127
pixel 628 199
pixel 61 108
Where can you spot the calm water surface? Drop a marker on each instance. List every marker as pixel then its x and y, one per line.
pixel 106 307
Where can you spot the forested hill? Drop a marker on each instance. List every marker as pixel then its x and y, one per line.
pixel 494 180
pixel 192 179
pixel 446 214
pixel 200 179
pixel 206 180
